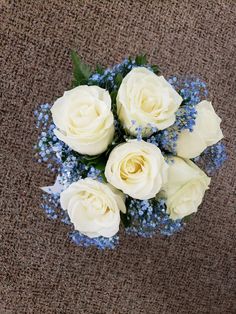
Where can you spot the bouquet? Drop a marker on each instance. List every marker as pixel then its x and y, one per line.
pixel 130 149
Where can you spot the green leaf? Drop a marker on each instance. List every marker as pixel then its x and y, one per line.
pixel 103 177
pixel 81 71
pixel 100 165
pixel 98 161
pixel 125 218
pixel 155 69
pixel 187 218
pixel 141 60
pixel 113 96
pixel 99 69
pixel 118 79
pixel 88 158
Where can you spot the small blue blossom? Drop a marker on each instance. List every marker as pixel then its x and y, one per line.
pixel 212 158
pixel 139 131
pixel 108 78
pixel 99 242
pixel 52 208
pixel 146 217
pixel 94 173
pixel 191 89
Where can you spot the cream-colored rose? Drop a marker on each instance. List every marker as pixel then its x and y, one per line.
pixel 84 119
pixel 93 207
pixel 185 187
pixel 147 99
pixel 206 132
pixel 136 168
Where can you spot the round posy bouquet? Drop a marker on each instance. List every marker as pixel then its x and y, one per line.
pixel 125 143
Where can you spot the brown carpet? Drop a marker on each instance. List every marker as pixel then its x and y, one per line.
pixel 41 271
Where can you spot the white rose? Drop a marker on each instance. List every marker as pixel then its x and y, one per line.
pixel 185 188
pixel 84 119
pixel 93 207
pixel 147 99
pixel 136 168
pixel 206 132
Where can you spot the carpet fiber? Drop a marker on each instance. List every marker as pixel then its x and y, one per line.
pixel 41 271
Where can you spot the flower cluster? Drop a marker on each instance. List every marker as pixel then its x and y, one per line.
pixel 125 144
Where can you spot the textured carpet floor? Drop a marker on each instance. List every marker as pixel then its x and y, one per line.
pixel 40 270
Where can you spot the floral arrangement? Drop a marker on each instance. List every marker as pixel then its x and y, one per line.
pixel 127 145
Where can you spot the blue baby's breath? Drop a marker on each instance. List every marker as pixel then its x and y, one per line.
pixel 212 158
pixel 147 217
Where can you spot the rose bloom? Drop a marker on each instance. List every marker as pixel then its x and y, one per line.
pixel 93 207
pixel 136 168
pixel 147 99
pixel 84 119
pixel 185 187
pixel 206 132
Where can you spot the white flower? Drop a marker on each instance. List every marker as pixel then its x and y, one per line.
pixel 136 168
pixel 185 188
pixel 206 132
pixel 147 99
pixel 93 207
pixel 84 119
